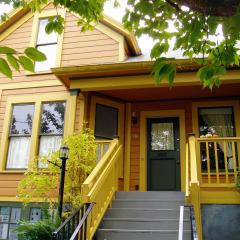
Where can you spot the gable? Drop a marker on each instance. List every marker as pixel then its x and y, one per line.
pixel 109 42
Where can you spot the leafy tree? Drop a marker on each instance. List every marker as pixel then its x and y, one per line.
pixel 195 33
pixel 43 183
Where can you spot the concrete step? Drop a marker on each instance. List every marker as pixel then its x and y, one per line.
pixel 147 204
pixel 158 195
pixel 143 224
pixel 124 234
pixel 145 213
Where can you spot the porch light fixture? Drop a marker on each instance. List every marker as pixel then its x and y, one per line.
pixel 63 155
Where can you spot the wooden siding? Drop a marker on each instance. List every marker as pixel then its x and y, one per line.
pixel 9 183
pixel 90 47
pixel 78 48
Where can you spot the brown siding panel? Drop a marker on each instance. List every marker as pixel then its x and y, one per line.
pixel 90 47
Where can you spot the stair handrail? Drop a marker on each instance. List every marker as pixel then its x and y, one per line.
pixel 194 233
pixel 101 185
pixel 76 223
pixel 82 225
pixel 180 228
pixel 94 175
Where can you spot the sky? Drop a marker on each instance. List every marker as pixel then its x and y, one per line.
pixel 145 42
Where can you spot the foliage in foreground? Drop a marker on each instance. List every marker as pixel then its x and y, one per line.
pixel 192 29
pixel 39 230
pixel 43 182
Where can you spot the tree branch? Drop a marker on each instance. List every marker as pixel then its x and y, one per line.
pixel 174 5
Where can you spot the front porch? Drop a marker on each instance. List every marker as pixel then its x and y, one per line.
pixel 153 150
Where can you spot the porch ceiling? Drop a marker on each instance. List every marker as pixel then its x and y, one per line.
pixel 177 92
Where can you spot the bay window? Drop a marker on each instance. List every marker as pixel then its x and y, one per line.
pixel 20 136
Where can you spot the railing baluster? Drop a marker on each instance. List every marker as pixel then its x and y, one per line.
pixel 216 161
pixel 234 159
pixel 225 161
pixel 208 162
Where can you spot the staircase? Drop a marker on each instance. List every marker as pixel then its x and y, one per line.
pixel 144 216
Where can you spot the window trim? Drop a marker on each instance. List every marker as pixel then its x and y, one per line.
pixel 234 104
pixel 37 100
pixel 33 42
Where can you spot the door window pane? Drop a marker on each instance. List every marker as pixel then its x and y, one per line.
pixel 162 136
pixel 106 122
pixel 12 232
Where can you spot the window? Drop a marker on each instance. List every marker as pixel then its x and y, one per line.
pixel 20 136
pixel 52 124
pixel 46 43
pixel 106 121
pixel 35 214
pixel 216 122
pixel 9 216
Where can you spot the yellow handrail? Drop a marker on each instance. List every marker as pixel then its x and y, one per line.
pixel 101 185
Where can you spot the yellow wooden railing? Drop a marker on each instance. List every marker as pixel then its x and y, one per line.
pixel 218 160
pixel 102 147
pixel 210 162
pixel 101 185
pixel 193 186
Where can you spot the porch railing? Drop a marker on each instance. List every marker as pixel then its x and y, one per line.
pixel 101 185
pixel 210 162
pixel 102 148
pixel 218 160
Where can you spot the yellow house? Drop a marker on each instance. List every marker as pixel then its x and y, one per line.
pixel 181 139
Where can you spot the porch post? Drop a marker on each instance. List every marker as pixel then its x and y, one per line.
pixel 127 147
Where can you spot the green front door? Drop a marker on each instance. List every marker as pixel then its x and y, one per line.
pixel 163 154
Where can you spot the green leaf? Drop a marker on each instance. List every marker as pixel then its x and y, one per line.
pixel 6 50
pixel 35 54
pixel 26 63
pixel 172 75
pixel 13 61
pixel 4 68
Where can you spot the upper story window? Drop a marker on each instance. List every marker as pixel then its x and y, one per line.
pixel 46 43
pixel 20 136
pixel 52 126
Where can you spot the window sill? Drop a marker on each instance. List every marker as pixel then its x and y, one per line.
pixel 12 171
